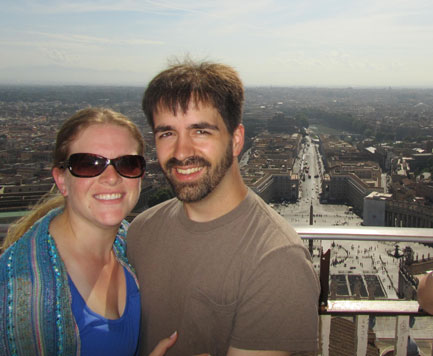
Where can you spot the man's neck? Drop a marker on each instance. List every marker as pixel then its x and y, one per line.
pixel 224 198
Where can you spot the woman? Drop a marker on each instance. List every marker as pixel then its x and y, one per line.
pixel 66 287
pixel 425 292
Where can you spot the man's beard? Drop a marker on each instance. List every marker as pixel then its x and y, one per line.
pixel 198 190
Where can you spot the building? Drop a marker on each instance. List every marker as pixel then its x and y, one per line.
pixel 374 209
pixel 21 197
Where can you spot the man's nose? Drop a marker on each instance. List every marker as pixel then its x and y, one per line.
pixel 184 147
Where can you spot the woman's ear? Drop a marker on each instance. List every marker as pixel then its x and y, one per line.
pixel 59 177
pixel 238 140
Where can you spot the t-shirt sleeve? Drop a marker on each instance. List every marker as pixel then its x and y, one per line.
pixel 278 308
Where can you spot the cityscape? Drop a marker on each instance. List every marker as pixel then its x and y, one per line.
pixel 338 119
pixel 343 157
pixel 326 147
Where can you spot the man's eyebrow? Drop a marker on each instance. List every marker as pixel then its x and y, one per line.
pixel 196 126
pixel 162 128
pixel 204 125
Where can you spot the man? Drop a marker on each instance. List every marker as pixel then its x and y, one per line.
pixel 216 263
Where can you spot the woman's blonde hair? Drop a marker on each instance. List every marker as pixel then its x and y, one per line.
pixel 66 135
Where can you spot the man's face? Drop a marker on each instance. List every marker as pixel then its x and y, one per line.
pixel 194 150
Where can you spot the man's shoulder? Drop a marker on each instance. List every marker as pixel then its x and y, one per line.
pixel 161 211
pixel 272 221
pixel 149 222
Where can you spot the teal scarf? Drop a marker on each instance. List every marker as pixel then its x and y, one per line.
pixel 35 301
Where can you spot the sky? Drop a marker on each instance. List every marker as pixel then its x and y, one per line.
pixel 319 43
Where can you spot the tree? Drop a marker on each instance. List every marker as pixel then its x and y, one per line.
pixel 160 196
pixel 302 120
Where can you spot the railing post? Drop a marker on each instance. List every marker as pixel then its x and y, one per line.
pixel 325 259
pixel 325 334
pixel 401 335
pixel 361 335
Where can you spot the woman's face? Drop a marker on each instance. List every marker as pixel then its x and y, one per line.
pixel 106 199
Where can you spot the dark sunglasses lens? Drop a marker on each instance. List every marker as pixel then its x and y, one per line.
pixel 85 165
pixel 130 166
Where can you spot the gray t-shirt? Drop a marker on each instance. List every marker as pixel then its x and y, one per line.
pixel 243 280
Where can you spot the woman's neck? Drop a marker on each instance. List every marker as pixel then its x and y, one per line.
pixel 80 238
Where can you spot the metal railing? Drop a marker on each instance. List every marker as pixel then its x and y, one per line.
pixel 362 310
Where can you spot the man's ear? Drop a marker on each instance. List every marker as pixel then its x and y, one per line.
pixel 59 177
pixel 238 140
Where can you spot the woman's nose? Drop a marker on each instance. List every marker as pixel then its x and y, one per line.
pixel 110 175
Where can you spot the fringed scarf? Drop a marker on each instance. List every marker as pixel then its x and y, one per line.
pixel 35 300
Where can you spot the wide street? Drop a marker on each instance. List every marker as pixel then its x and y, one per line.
pixel 309 165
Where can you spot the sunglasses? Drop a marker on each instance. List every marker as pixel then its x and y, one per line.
pixel 88 165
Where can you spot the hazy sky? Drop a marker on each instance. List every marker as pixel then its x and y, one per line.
pixel 270 42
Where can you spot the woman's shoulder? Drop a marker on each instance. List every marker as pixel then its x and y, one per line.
pixel 31 240
pixel 120 241
pixel 30 249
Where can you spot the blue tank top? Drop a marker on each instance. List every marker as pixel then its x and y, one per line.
pixel 101 336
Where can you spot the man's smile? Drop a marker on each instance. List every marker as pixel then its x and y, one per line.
pixel 188 170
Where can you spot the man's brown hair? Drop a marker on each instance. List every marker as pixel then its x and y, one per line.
pixel 206 83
